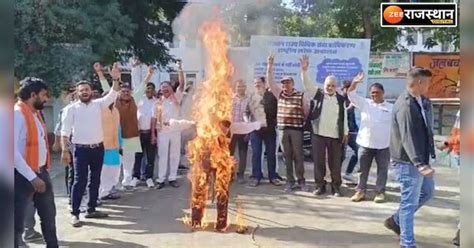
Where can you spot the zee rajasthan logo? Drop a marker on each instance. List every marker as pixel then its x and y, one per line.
pixel 418 14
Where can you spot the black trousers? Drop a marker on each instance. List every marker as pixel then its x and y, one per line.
pixel 334 148
pixel 43 202
pixel 149 150
pixel 241 141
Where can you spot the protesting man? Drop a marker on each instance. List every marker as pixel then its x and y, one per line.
pixel 32 161
pixel 292 109
pixel 168 137
pixel 263 108
pixel 145 109
pixel 88 144
pixel 330 129
pixel 128 110
pixel 411 146
pixel 240 114
pixel 373 137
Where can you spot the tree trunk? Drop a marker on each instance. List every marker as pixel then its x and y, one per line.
pixel 366 19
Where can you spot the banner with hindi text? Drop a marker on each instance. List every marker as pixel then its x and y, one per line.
pixel 445 70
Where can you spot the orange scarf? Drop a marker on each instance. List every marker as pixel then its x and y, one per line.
pixel 31 149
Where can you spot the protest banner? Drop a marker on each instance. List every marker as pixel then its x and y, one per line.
pixel 343 58
pixel 389 65
pixel 445 70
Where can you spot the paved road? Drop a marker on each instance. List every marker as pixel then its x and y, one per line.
pixel 151 218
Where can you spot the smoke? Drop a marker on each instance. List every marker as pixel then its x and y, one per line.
pixel 241 19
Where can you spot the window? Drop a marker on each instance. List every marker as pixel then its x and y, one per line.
pixel 425 36
pixel 412 38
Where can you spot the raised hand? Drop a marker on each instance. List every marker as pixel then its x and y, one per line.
pixel 179 64
pixel 304 62
pixel 151 69
pixel 358 78
pixel 115 72
pixel 270 59
pixel 98 67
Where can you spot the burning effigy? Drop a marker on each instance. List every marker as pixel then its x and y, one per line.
pixel 209 152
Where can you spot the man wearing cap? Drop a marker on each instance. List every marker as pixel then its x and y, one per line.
pixel 330 129
pixel 292 110
pixel 32 160
pixel 88 144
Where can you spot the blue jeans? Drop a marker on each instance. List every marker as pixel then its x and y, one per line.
pixel 355 147
pixel 256 141
pixel 415 191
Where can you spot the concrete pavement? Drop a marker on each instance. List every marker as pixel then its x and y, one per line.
pixel 151 218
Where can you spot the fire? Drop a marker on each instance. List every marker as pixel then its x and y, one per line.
pixel 239 219
pixel 209 151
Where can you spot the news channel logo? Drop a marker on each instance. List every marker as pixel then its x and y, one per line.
pixel 418 14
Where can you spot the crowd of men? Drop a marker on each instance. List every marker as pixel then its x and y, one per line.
pixel 104 137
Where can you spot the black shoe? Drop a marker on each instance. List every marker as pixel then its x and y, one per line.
pixel 390 224
pixel 289 187
pixel 173 184
pixel 456 239
pixel 320 190
pixel 336 191
pixel 32 235
pixel 160 185
pixel 110 197
pixel 96 215
pixel 303 187
pixel 254 182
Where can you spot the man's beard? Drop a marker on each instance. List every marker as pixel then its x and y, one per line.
pixel 38 104
pixel 85 99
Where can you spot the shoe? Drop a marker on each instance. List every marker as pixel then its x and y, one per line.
pixel 390 224
pixel 303 187
pixel 149 183
pixel 240 180
pixel 349 178
pixel 336 192
pixel 276 182
pixel 456 239
pixel 358 196
pixel 128 188
pixel 96 215
pixel 173 184
pixel 110 196
pixel 379 198
pixel 320 190
pixel 160 185
pixel 75 222
pixel 134 182
pixel 288 187
pixel 254 182
pixel 32 235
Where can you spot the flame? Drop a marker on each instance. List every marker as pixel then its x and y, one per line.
pixel 239 219
pixel 209 151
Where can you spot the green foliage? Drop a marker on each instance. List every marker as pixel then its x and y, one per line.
pixel 59 40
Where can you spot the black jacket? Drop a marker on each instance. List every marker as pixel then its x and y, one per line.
pixel 411 139
pixel 270 106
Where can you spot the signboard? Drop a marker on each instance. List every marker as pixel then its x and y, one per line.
pixel 389 65
pixel 343 58
pixel 445 70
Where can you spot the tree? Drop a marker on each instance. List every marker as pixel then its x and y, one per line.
pixel 354 19
pixel 59 40
pixel 153 19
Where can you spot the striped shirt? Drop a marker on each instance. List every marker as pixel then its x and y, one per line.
pixel 290 110
pixel 240 109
